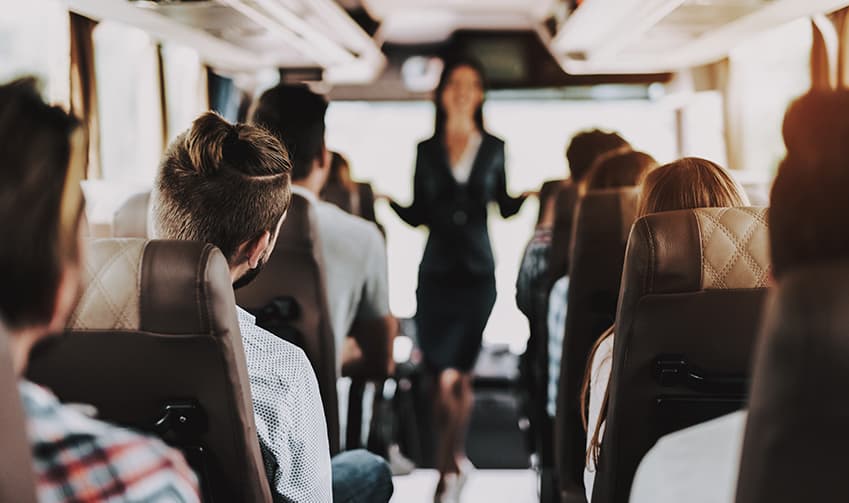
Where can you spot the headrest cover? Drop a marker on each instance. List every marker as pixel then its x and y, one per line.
pixel 110 285
pixel 133 218
pixel 166 287
pixel 700 249
pixel 608 206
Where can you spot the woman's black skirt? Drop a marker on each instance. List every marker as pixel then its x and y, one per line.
pixel 452 312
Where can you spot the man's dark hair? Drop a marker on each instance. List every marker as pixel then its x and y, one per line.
pixel 295 115
pixel 588 146
pixel 809 200
pixel 36 145
pixel 221 183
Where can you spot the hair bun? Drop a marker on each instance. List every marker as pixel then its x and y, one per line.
pixel 205 142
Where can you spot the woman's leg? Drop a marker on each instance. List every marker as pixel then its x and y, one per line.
pixel 448 413
pixel 466 401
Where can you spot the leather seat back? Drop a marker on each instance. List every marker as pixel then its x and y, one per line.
pixel 131 219
pixel 692 290
pixel 17 475
pixel 561 235
pixel 795 443
pixel 155 336
pixel 295 271
pixel 602 224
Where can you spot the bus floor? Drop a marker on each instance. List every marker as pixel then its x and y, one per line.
pixel 496 443
pixel 508 486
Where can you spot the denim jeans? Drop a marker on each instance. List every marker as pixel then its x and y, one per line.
pixel 360 477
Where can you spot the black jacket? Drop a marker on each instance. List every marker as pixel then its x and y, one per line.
pixel 456 214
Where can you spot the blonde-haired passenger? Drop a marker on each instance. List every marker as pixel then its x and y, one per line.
pixel 687 183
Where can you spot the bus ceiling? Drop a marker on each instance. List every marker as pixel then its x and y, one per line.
pixel 351 45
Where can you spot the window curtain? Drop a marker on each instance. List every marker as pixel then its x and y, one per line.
pixel 84 88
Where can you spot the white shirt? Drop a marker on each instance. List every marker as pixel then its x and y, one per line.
pixel 354 257
pixel 462 169
pixel 289 416
pixel 698 464
pixel 599 379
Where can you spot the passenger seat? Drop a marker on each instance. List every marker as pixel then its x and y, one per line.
pixel 131 219
pixel 796 442
pixel 602 224
pixel 17 472
pixel 289 299
pixel 689 308
pixel 154 344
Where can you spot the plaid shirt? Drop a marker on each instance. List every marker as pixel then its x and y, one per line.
pixel 80 459
pixel 533 273
pixel 556 331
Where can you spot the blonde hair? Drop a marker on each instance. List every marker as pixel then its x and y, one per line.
pixel 690 182
pixel 687 183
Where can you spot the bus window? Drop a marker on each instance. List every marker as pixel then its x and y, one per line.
pixel 769 70
pixel 126 64
pixel 185 87
pixel 35 40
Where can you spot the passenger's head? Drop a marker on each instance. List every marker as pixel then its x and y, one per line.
pixel 41 210
pixel 620 169
pixel 460 92
pixel 340 172
pixel 809 200
pixel 688 183
pixel 224 184
pixel 295 115
pixel 586 147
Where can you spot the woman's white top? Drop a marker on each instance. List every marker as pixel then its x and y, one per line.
pixel 599 378
pixel 462 169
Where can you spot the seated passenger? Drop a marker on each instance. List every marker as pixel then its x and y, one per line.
pixel 683 184
pixel 229 185
pixel 353 249
pixel 77 458
pixel 700 463
pixel 583 151
pixel 340 189
pixel 612 170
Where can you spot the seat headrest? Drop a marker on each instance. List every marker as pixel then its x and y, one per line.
pixel 698 249
pixel 165 287
pixel 799 385
pixel 299 229
pixel 132 220
pixel 605 206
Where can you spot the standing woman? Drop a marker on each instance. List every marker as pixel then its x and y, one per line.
pixel 459 171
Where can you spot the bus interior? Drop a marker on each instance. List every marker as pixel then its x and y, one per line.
pixel 677 78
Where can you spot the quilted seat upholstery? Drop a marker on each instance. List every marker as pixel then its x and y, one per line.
pixel 689 309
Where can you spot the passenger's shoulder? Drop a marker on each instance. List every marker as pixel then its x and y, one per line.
pixel 263 346
pixel 351 224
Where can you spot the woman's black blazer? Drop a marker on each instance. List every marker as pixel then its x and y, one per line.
pixel 456 213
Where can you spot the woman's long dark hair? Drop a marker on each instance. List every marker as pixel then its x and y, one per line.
pixel 450 66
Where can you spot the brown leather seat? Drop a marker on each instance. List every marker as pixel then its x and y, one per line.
pixel 155 339
pixel 796 438
pixel 602 224
pixel 294 272
pixel 693 286
pixel 561 235
pixel 130 220
pixel 17 476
